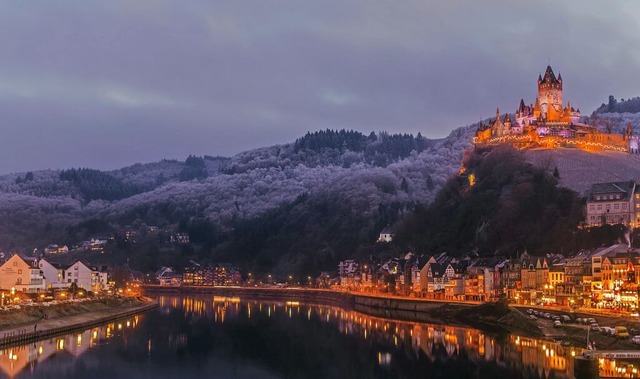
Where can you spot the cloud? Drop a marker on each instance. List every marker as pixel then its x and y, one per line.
pixel 219 77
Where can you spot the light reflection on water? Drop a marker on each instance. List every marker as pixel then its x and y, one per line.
pixel 18 359
pixel 199 335
pixel 432 340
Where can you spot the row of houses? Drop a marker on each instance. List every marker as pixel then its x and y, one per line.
pixel 221 274
pixel 607 277
pixel 34 275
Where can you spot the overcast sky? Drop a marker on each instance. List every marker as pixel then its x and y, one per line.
pixel 106 84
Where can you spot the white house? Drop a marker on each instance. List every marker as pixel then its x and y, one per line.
pixel 85 277
pixel 53 276
pixel 386 235
pixel 23 275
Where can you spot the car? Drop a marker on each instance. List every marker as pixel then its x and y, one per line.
pixel 530 311
pixel 621 332
pixel 591 320
pixel 579 320
pixel 547 315
pixel 635 340
pixel 555 318
pixel 607 330
pixel 533 317
pixel 557 324
pixel 595 327
pixel 565 318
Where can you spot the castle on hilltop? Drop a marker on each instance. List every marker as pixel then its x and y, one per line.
pixel 548 123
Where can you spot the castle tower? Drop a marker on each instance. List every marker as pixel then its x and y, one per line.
pixel 550 94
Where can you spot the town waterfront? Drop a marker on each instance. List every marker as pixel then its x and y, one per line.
pixel 203 336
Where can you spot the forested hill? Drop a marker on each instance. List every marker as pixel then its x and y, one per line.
pixel 297 207
pixel 623 106
pixel 378 175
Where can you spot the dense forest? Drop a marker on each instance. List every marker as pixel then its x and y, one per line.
pixel 631 105
pixel 500 205
pixel 98 185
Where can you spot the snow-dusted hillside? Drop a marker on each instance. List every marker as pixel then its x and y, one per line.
pixel 617 121
pixel 579 169
pixel 266 178
pixel 246 186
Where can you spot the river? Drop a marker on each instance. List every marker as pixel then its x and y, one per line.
pixel 215 337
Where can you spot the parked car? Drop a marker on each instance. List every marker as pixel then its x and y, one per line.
pixel 579 320
pixel 547 315
pixel 565 318
pixel 557 324
pixel 621 332
pixel 607 330
pixel 591 320
pixel 533 317
pixel 530 311
pixel 635 340
pixel 595 327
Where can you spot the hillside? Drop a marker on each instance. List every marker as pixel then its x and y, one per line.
pixel 579 169
pixel 299 206
pixel 44 206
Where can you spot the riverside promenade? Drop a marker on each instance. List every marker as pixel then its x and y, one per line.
pixel 34 331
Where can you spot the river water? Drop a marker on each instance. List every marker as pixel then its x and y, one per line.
pixel 214 337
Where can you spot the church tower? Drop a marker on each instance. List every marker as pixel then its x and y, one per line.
pixel 550 95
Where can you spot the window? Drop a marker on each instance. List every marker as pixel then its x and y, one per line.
pixel 597 197
pixel 599 207
pixel 19 272
pixel 592 207
pixel 15 264
pixel 616 206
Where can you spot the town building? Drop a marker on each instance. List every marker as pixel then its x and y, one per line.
pixel 613 203
pixel 86 278
pixel 21 274
pixel 53 275
pixel 386 235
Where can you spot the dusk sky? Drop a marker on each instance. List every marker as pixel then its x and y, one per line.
pixel 112 83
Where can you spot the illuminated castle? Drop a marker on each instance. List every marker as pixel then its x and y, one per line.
pixel 549 123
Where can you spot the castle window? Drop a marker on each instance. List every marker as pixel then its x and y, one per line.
pixel 616 206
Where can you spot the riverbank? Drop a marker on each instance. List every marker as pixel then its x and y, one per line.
pixel 492 317
pixel 32 323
